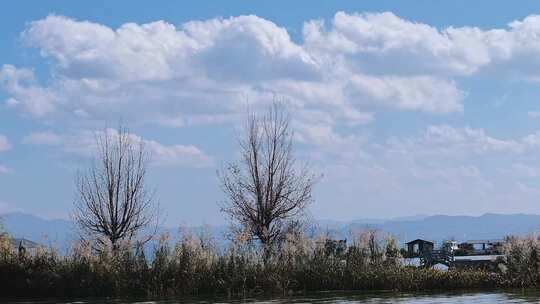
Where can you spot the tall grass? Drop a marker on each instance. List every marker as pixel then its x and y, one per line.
pixel 522 261
pixel 194 266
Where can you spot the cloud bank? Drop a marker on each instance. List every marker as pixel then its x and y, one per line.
pixel 340 77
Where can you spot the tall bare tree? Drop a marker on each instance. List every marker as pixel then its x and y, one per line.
pixel 113 203
pixel 267 192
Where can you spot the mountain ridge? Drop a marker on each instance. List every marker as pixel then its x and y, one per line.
pixel 60 233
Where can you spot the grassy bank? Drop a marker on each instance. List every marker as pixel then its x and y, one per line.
pixel 193 266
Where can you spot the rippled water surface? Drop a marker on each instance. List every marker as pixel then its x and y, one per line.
pixel 476 297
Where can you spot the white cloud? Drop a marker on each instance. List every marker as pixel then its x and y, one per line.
pixel 383 42
pixel 42 138
pixel 429 171
pixel 423 93
pixel 526 189
pixel 159 71
pixel 221 48
pixel 534 114
pixel 84 143
pixel 336 78
pixel 4 143
pixel 329 145
pixel 441 159
pixel 532 140
pixel 178 155
pixel 162 73
pixel 4 146
pixel 173 74
pixel 447 141
pixel 25 92
pixel 435 148
pixel 5 170
pixel 523 170
pixel 197 119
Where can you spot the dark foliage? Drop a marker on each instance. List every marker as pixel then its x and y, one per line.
pixel 193 267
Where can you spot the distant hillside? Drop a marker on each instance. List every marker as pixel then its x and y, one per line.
pixel 60 233
pixel 461 228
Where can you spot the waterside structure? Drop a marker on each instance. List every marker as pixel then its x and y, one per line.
pixel 470 254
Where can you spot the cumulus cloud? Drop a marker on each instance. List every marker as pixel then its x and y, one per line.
pixel 329 144
pixel 84 143
pixel 155 72
pixel 383 43
pixel 222 48
pixel 448 141
pixel 25 92
pixel 207 68
pixel 178 155
pixel 423 93
pixel 340 75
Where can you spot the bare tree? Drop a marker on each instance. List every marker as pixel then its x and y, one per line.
pixel 112 202
pixel 267 192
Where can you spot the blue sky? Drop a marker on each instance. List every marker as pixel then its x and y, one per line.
pixel 405 107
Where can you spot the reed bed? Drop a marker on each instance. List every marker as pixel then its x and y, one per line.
pixel 194 266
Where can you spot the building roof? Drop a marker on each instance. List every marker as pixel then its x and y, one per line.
pixel 419 241
pixel 484 241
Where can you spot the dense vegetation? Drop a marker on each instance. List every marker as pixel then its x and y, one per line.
pixel 194 266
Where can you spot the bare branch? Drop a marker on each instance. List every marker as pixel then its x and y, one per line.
pixel 266 191
pixel 112 201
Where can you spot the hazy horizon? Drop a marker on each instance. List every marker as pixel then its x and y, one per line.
pixel 413 218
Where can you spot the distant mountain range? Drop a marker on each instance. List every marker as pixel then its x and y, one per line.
pixel 57 233
pixel 60 233
pixel 441 227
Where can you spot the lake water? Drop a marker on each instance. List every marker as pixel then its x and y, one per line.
pixel 344 298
